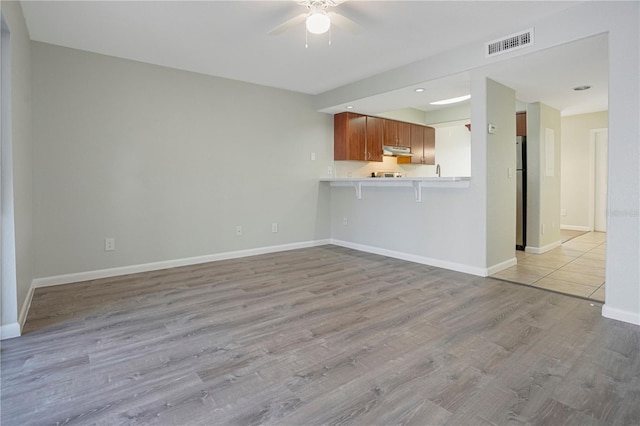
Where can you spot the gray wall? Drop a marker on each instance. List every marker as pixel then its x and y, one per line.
pixel 543 196
pixel 22 159
pixel 501 173
pixel 168 163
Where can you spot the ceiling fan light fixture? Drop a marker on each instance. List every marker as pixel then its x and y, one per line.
pixel 318 22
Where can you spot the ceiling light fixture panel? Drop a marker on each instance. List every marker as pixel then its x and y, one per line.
pixel 452 100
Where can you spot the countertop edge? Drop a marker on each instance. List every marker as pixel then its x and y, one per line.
pixel 401 179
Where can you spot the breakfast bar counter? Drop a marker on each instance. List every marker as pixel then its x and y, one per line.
pixel 417 183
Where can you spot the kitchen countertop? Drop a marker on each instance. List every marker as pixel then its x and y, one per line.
pixel 417 183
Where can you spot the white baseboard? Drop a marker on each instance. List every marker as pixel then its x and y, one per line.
pixel 15 330
pixel 620 315
pixel 459 267
pixel 165 264
pixel 575 228
pixel 22 316
pixel 9 331
pixel 543 249
pixel 502 266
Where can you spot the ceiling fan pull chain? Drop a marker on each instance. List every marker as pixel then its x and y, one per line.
pixel 306 38
pixel 330 33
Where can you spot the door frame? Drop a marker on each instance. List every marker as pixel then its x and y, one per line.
pixel 592 174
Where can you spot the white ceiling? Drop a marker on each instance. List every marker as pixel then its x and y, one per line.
pixel 229 39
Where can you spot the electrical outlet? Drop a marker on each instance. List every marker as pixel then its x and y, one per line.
pixel 109 244
pixel 542 229
pixel 313 156
pixel 274 227
pixel 330 170
pixel 345 221
pixel 238 230
pixel 563 212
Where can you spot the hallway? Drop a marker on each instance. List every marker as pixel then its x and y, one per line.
pixel 575 268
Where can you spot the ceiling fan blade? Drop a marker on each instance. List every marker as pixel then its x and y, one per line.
pixel 344 23
pixel 288 24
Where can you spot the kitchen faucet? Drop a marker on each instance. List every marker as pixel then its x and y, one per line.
pixel 438 170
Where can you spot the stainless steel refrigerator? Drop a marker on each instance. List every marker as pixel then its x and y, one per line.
pixel 521 192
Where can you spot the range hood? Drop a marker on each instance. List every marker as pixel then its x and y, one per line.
pixel 396 151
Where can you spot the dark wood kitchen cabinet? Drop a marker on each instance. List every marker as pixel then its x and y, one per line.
pixel 397 133
pixel 357 137
pixel 349 136
pixel 423 145
pixel 521 124
pixel 374 139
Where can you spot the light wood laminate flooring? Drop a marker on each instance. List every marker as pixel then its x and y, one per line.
pixel 577 267
pixel 324 335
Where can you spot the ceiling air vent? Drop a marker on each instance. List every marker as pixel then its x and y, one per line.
pixel 510 43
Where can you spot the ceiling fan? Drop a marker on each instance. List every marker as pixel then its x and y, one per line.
pixel 317 19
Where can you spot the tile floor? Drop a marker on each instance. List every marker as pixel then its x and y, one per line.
pixel 576 267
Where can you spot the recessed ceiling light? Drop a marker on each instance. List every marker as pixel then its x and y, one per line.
pixel 419 89
pixel 580 88
pixel 452 100
pixel 349 107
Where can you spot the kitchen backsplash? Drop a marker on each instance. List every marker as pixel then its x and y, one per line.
pixel 359 169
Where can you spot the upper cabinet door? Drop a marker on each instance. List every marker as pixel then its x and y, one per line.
pixel 404 133
pixel 349 136
pixel 375 136
pixel 397 133
pixel 390 136
pixel 429 146
pixel 417 144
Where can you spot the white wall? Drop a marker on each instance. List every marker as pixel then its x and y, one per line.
pixel 457 112
pixel 22 168
pixel 543 177
pixel 623 204
pixel 576 166
pixel 168 163
pixel 453 150
pixel 410 115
